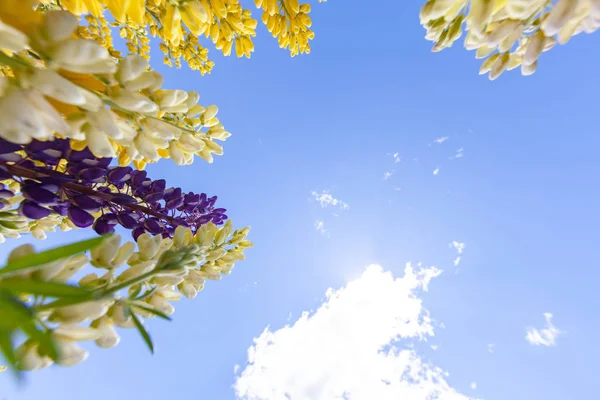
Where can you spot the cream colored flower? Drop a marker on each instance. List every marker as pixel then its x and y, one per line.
pixel 12 39
pixel 26 115
pixel 81 312
pixel 108 336
pixel 134 101
pixel 28 358
pixel 83 56
pixel 69 353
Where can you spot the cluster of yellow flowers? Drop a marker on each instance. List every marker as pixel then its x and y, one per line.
pixel 179 24
pixel 56 84
pixel 145 288
pixel 511 33
pixel 289 22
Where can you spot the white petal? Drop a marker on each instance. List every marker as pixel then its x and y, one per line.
pixel 105 121
pixel 76 333
pixel 98 142
pixel 146 147
pixel 80 52
pixel 108 336
pixel 12 39
pixel 131 68
pixel 60 25
pixel 135 102
pixel 70 354
pixel 53 85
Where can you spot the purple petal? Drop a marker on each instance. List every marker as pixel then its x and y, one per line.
pixel 80 218
pixel 111 218
pixel 152 197
pixel 137 177
pixel 122 199
pixel 33 210
pixel 8 147
pixel 153 225
pixel 159 185
pixel 85 202
pixel 4 174
pixel 119 174
pixel 102 226
pixel 137 232
pixel 10 157
pixel 61 209
pixel 39 195
pixel 172 193
pixel 6 194
pixel 174 203
pixel 127 221
pixel 93 174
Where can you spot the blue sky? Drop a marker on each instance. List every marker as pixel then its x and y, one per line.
pixel 523 199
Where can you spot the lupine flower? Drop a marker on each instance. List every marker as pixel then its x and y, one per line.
pixel 161 272
pixel 512 33
pixel 90 192
pixel 72 87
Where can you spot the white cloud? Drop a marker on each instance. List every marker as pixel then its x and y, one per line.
pixel 320 227
pixel 236 368
pixel 387 175
pixel 546 336
pixel 434 347
pixel 459 153
pixel 491 347
pixel 397 158
pixel 441 140
pixel 325 199
pixel 459 246
pixel 350 347
pixel 436 171
pixel 473 385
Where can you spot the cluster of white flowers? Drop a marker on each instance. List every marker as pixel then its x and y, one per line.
pixel 74 88
pixel 211 253
pixel 512 33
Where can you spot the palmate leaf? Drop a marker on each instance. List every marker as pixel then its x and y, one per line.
pixel 45 257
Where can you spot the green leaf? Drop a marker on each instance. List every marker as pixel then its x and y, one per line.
pixel 6 347
pixel 20 316
pixel 43 288
pixel 45 257
pixel 152 311
pixel 143 331
pixel 147 294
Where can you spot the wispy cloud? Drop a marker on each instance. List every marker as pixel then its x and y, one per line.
pixel 325 199
pixel 459 153
pixel 320 227
pixel 460 247
pixel 436 171
pixel 546 336
pixel 491 347
pixel 356 345
pixel 440 140
pixel 397 158
pixel 473 385
pixel 387 175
